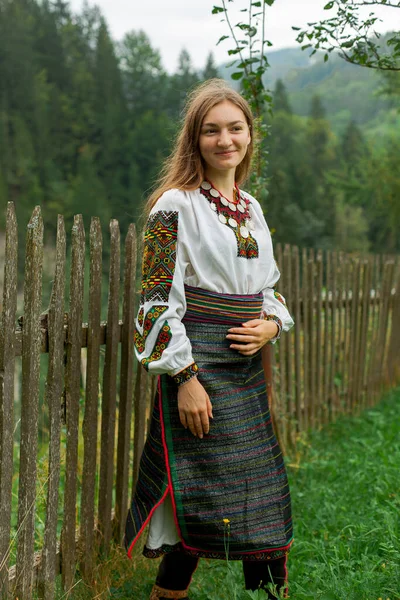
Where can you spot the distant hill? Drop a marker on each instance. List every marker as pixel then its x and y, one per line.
pixel 347 91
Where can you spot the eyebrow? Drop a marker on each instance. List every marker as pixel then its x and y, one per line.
pixel 216 125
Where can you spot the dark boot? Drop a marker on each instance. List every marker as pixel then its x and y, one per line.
pixel 159 593
pixel 174 576
pixel 258 574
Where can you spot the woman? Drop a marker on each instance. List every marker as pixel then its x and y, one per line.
pixel 212 481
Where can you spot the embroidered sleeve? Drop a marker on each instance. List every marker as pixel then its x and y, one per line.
pixel 161 343
pixel 186 374
pixel 274 305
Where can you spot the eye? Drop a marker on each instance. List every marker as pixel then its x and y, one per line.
pixel 207 131
pixel 237 128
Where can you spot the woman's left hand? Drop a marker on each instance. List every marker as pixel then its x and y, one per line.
pixel 252 336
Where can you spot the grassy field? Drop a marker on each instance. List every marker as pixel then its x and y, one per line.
pixel 345 483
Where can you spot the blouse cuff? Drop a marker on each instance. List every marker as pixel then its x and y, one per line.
pixel 186 374
pixel 277 321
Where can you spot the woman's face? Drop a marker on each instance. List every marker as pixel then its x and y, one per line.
pixel 224 137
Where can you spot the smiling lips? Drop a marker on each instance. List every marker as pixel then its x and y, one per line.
pixel 227 153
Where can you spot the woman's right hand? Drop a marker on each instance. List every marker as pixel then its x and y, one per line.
pixel 195 408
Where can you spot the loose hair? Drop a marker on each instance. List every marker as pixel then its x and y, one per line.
pixel 184 168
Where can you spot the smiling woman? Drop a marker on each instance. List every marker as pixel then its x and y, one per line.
pixel 207 308
pixel 224 139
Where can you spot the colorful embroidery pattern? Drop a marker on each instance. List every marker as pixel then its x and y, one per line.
pixel 162 341
pixel 140 316
pixel 279 297
pixel 159 256
pixel 236 217
pixel 151 317
pixel 254 556
pixel 186 374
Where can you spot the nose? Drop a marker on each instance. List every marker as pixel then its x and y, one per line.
pixel 224 139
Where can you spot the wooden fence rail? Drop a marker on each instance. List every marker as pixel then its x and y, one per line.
pixel 341 355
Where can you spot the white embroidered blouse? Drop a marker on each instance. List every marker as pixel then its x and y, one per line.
pixel 199 239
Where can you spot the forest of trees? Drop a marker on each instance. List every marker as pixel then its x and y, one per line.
pixel 85 123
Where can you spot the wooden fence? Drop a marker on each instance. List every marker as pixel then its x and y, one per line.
pixel 343 352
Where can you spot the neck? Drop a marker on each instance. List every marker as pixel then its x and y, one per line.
pixel 224 181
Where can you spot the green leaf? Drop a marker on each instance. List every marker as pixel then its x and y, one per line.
pixel 269 2
pixel 256 4
pixel 329 5
pixel 217 9
pixel 221 39
pixel 326 57
pixel 296 28
pixel 237 75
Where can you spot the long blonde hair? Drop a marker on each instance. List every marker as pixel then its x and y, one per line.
pixel 184 168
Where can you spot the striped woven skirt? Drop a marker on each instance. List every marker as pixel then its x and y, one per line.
pixel 229 490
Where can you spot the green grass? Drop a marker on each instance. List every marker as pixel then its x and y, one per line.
pixel 345 484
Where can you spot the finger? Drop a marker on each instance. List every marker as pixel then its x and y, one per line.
pixel 248 353
pixel 248 348
pixel 182 416
pixel 241 338
pixel 191 424
pixel 244 347
pixel 209 408
pixel 205 423
pixel 252 323
pixel 198 425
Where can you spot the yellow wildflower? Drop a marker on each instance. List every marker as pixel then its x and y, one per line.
pixel 226 521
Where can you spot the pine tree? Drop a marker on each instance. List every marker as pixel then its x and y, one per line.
pixel 317 109
pixel 182 82
pixel 210 70
pixel 280 98
pixel 144 77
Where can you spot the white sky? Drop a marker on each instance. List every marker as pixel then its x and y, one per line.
pixel 175 24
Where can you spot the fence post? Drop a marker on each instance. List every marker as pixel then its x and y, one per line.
pixel 31 339
pixel 72 390
pixel 90 419
pixel 54 389
pixel 108 409
pixel 126 385
pixel 7 366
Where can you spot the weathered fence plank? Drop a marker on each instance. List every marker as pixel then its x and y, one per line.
pixel 72 396
pixel 126 386
pixel 297 337
pixel 353 331
pixel 289 406
pixel 388 275
pixel 281 398
pixel 325 405
pixel 306 336
pixel 90 419
pixel 333 356
pixel 312 350
pixel 108 409
pixel 29 405
pixel 346 333
pixel 341 333
pixel 7 366
pixel 54 390
pixel 361 391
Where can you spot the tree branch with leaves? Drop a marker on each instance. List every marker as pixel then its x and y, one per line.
pixel 355 38
pixel 251 63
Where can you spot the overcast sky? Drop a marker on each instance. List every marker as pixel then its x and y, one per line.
pixel 175 24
